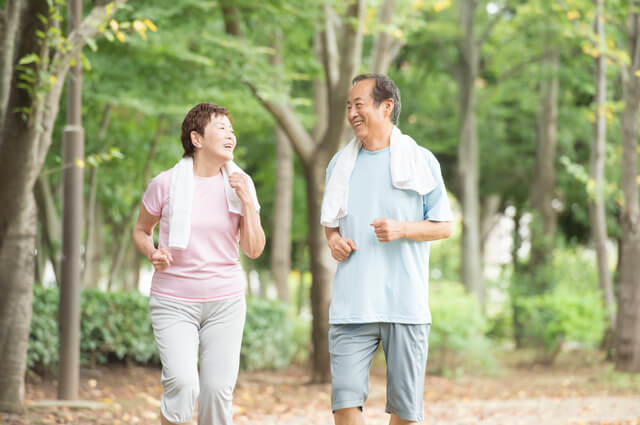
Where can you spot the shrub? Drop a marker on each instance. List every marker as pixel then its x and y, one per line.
pixel 117 326
pixel 458 341
pixel 572 310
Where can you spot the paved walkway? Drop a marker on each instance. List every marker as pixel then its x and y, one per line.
pixel 538 411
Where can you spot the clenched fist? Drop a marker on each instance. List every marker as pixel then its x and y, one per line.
pixel 387 230
pixel 341 248
pixel 161 259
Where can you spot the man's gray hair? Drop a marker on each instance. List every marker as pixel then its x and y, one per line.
pixel 384 89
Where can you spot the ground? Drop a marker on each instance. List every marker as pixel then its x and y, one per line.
pixel 588 394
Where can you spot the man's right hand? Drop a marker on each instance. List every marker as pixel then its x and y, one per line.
pixel 341 248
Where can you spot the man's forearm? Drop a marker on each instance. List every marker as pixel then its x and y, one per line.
pixel 426 230
pixel 329 232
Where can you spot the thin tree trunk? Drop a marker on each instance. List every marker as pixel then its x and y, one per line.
pixel 93 231
pixel 282 213
pixel 514 293
pixel 472 276
pixel 282 208
pixel 598 152
pixel 628 320
pixel 544 180
pixel 51 224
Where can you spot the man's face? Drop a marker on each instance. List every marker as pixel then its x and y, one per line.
pixel 362 113
pixel 219 139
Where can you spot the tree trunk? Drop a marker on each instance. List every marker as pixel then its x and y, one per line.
pixel 322 271
pixel 341 59
pixel 9 28
pixel 628 320
pixel 282 214
pixel 23 148
pixel 472 276
pixel 542 234
pixel 16 281
pixel 50 224
pixel 598 152
pixel 17 221
pixel 93 232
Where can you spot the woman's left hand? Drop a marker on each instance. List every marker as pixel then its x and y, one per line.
pixel 240 183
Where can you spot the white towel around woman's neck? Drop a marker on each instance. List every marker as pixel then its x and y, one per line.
pixel 409 171
pixel 181 199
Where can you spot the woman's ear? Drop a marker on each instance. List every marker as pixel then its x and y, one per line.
pixel 195 139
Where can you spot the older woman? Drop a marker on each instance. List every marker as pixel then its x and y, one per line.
pixel 205 206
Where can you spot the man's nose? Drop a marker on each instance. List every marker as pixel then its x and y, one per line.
pixel 351 113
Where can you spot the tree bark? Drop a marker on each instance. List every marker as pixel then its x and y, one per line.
pixel 544 180
pixel 322 271
pixel 10 21
pixel 93 232
pixel 50 223
pixel 468 49
pixel 598 152
pixel 282 213
pixel 628 320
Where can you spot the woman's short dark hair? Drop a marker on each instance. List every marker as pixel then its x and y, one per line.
pixel 384 89
pixel 196 120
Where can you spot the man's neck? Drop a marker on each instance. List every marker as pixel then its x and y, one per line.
pixel 379 139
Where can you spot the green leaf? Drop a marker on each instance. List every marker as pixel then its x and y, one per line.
pixel 30 58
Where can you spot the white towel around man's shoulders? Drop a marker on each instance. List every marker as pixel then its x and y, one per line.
pixel 181 199
pixel 409 171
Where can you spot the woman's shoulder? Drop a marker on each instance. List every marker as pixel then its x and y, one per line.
pixel 163 178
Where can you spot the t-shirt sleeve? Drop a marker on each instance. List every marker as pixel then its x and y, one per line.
pixel 155 195
pixel 435 204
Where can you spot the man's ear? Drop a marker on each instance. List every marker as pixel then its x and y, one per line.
pixel 195 139
pixel 388 106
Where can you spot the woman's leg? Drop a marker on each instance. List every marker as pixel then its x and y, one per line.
pixel 175 327
pixel 220 340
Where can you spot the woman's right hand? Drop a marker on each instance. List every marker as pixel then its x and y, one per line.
pixel 161 259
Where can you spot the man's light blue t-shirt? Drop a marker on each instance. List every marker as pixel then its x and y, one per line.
pixel 385 281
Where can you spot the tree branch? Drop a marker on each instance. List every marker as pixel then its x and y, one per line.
pixel 381 51
pixel 302 142
pixel 89 28
pixel 350 57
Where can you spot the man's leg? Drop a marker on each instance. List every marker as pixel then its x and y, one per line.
pixel 405 347
pixel 349 416
pixel 351 347
pixel 395 420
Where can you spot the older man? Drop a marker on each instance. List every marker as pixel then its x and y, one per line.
pixel 384 201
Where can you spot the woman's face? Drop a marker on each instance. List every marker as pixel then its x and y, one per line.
pixel 219 140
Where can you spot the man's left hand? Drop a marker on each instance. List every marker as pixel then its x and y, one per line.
pixel 388 230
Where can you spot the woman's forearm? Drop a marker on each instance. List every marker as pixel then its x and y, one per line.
pixel 252 238
pixel 143 242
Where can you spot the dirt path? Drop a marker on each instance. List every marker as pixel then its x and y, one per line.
pixel 131 395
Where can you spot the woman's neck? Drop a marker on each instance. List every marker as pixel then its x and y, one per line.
pixel 203 167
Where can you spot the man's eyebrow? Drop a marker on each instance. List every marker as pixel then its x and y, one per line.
pixel 354 100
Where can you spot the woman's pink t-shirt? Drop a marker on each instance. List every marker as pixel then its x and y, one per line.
pixel 209 268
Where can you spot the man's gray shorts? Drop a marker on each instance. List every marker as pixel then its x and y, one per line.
pixel 352 347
